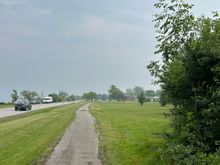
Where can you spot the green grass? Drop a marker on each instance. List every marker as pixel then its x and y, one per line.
pixel 131 134
pixel 6 106
pixel 29 138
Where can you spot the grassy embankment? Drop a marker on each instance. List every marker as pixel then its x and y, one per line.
pixel 131 134
pixel 29 138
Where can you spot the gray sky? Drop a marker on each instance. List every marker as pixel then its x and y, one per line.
pixel 77 45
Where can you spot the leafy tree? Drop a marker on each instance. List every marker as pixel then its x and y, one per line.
pixel 71 98
pixel 29 95
pixel 130 92
pixel 63 96
pixel 103 97
pixel 158 93
pixel 189 77
pixel 141 98
pixel 163 98
pixel 14 96
pixel 37 100
pixel 78 97
pixel 138 90
pixel 90 96
pixel 115 93
pixel 55 97
pixel 150 93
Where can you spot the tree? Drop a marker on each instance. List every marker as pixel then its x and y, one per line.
pixel 55 97
pixel 130 92
pixel 14 96
pixel 141 98
pixel 138 90
pixel 78 97
pixel 71 98
pixel 189 77
pixel 90 96
pixel 63 96
pixel 115 93
pixel 103 97
pixel 150 93
pixel 29 95
pixel 158 93
pixel 163 99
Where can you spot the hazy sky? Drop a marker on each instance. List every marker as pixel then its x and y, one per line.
pixel 78 45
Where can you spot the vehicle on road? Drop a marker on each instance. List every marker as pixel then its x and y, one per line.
pixel 47 99
pixel 22 105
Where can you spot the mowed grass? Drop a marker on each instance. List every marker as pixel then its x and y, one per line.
pixel 6 106
pixel 131 134
pixel 29 138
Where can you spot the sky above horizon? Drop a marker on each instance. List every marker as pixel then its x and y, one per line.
pixel 78 46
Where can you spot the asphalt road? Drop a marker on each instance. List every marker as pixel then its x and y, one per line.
pixel 79 145
pixel 5 112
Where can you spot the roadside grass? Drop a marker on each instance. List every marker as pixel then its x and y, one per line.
pixel 30 138
pixel 6 106
pixel 131 134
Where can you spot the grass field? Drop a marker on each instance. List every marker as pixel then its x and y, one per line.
pixel 131 134
pixel 6 106
pixel 29 138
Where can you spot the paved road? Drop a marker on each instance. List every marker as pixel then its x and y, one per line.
pixel 5 112
pixel 79 145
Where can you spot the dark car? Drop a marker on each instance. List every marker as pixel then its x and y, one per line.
pixel 22 105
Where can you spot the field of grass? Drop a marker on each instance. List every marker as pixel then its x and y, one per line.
pixel 29 138
pixel 6 106
pixel 131 134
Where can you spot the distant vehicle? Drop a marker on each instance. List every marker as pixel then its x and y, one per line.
pixel 47 99
pixel 22 105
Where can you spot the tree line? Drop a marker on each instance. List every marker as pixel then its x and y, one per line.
pixel 116 94
pixel 34 97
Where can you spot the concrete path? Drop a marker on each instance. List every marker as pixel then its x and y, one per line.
pixel 79 145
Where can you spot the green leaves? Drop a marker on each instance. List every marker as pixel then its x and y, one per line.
pixel 115 93
pixel 190 79
pixel 174 26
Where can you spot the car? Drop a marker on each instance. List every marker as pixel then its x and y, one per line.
pixel 22 105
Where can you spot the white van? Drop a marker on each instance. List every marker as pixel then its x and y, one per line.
pixel 47 99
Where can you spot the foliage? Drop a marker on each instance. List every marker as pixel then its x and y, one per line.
pixel 71 98
pixel 150 93
pixel 90 96
pixel 141 98
pixel 14 96
pixel 115 93
pixel 63 96
pixel 29 95
pixel 158 93
pixel 103 97
pixel 163 98
pixel 130 92
pixel 55 97
pixel 138 90
pixel 190 79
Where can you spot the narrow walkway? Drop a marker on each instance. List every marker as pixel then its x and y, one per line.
pixel 79 145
